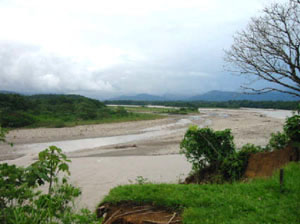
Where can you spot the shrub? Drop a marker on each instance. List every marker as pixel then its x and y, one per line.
pixel 2 134
pixel 58 124
pixel 213 155
pixel 234 166
pixel 121 111
pixel 278 140
pixel 292 127
pixel 206 147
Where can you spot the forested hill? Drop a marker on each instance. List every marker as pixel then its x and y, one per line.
pixel 212 96
pixel 54 110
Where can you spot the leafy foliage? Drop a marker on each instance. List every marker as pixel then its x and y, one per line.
pixel 205 147
pixel 292 127
pixel 234 166
pixel 277 141
pixel 21 202
pixel 2 134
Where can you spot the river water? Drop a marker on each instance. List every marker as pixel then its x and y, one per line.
pixel 89 143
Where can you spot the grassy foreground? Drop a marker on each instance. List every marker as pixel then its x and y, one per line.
pixel 258 201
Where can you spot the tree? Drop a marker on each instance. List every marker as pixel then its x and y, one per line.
pixel 268 49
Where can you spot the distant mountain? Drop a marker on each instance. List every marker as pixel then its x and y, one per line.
pixel 141 97
pixel 27 93
pixel 226 96
pixel 211 96
pixel 7 92
pixel 173 97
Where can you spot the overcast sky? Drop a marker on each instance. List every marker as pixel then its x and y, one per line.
pixel 113 47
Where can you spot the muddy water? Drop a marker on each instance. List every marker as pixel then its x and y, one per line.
pixel 178 126
pixel 96 176
pixel 80 144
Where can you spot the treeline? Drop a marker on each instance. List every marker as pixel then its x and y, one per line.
pixel 52 110
pixel 285 105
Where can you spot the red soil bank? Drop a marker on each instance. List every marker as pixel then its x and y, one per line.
pixel 264 164
pixel 127 213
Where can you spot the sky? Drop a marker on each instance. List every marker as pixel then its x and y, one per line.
pixel 109 48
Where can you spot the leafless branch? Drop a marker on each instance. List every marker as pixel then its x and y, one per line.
pixel 269 48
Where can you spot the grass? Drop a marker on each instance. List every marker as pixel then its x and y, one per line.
pixel 141 109
pixel 58 123
pixel 257 201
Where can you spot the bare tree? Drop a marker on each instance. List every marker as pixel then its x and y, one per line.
pixel 268 49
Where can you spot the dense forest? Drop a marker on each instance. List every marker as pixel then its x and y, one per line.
pixel 57 111
pixel 286 105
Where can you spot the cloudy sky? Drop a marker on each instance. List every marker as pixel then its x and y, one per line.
pixel 113 47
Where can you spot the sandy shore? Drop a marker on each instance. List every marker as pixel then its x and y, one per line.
pixel 106 155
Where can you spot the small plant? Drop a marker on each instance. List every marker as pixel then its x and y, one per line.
pixel 141 180
pixel 21 203
pixel 3 132
pixel 58 124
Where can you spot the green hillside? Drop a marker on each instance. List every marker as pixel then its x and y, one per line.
pixel 59 111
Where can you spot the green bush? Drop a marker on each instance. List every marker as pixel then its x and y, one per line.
pixel 206 147
pixel 292 127
pixel 278 140
pixel 213 155
pixel 58 124
pixel 234 166
pixel 2 134
pixel 121 111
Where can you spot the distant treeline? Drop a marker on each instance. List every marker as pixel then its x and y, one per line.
pixel 286 105
pixel 52 110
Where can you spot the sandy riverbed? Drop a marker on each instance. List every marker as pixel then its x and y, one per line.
pixel 104 156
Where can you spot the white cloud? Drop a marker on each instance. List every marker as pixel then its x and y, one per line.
pixel 117 46
pixel 23 67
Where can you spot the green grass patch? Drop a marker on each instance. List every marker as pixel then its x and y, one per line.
pixel 58 123
pixel 257 201
pixel 141 109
